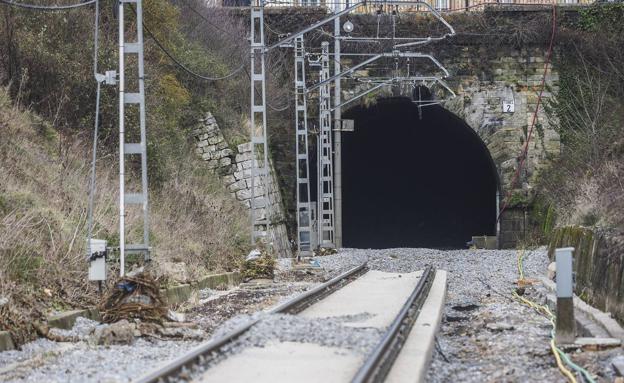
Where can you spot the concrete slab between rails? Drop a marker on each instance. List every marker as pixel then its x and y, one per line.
pixel 286 362
pixel 610 325
pixel 6 342
pixel 372 300
pixel 413 361
pixel 376 295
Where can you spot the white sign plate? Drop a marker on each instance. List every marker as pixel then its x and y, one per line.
pixel 508 106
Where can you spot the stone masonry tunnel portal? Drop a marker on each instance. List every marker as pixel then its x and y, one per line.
pixel 415 180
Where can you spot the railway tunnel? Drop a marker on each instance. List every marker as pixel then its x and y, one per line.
pixel 415 178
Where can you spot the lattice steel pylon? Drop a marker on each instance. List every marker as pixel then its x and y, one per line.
pixel 135 97
pixel 325 171
pixel 260 217
pixel 304 219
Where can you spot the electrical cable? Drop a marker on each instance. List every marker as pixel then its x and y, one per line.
pixel 47 7
pixel 217 27
pixel 95 128
pixel 525 150
pixel 184 67
pixel 557 352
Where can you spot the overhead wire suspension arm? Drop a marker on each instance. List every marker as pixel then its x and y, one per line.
pixel 348 10
pixel 375 58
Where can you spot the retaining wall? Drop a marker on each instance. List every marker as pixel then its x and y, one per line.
pixel 599 266
pixel 234 168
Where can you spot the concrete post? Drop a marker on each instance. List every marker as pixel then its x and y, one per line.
pixel 565 332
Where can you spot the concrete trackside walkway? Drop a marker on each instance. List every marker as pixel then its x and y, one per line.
pixel 371 301
pixel 413 362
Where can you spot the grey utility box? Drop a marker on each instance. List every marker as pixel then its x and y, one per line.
pixel 97 260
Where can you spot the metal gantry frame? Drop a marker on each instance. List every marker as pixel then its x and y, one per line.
pixel 329 204
pixel 260 214
pixel 137 98
pixel 325 174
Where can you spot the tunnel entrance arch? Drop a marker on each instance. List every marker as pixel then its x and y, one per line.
pixel 415 177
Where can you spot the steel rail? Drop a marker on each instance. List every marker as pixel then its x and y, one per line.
pixel 183 365
pixel 379 362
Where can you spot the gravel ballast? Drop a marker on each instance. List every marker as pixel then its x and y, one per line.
pixel 485 335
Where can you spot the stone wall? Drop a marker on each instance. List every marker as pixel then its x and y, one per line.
pixel 512 75
pixel 598 264
pixel 513 225
pixel 482 79
pixel 234 168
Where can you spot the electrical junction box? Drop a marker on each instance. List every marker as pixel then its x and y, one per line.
pixel 348 125
pixel 111 77
pixel 97 259
pixel 565 275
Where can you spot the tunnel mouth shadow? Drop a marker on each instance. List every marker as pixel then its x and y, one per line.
pixel 415 177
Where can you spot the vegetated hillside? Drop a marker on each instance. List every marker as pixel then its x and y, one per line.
pixel 47 103
pixel 585 185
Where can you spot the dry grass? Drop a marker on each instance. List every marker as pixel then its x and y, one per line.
pixel 43 213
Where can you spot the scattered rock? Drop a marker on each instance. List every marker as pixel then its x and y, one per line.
pixel 552 271
pixel 499 326
pixel 618 365
pixel 456 318
pixel 595 344
pixel 262 266
pixel 258 283
pixel 176 271
pixel 323 251
pixel 182 333
pixel 253 255
pixel 121 332
pixel 175 316
pixel 466 306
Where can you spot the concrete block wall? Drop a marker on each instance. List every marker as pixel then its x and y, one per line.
pixel 234 168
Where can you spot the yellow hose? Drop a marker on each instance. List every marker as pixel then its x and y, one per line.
pixel 544 310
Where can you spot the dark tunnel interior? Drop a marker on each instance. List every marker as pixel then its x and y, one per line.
pixel 414 180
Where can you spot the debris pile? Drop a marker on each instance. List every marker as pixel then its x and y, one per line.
pixel 259 264
pixel 134 297
pixel 323 251
pixel 20 314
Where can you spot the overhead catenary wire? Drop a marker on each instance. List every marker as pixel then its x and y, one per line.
pixel 37 7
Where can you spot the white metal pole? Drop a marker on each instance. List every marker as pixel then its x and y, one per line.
pixel 565 329
pixel 122 210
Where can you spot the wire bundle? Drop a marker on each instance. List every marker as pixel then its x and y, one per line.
pixel 560 356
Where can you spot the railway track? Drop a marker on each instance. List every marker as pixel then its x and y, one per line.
pixel 376 365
